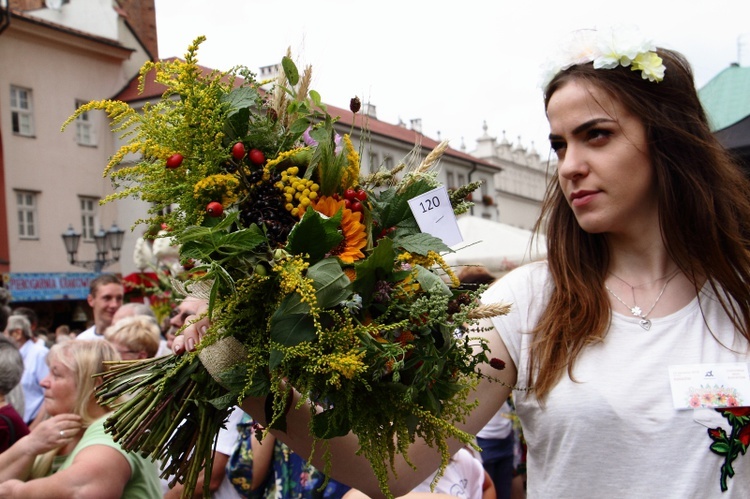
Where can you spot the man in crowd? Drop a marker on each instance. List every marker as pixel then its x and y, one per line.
pixel 35 367
pixel 105 298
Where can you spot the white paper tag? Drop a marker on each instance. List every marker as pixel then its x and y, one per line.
pixel 435 215
pixel 710 385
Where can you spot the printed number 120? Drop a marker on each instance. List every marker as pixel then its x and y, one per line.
pixel 429 204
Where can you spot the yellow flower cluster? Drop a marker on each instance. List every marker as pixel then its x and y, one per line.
pixel 347 364
pixel 433 258
pixel 351 176
pixel 291 272
pixel 299 193
pixel 283 156
pixel 220 187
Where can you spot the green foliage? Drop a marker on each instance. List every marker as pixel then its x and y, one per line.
pixel 344 305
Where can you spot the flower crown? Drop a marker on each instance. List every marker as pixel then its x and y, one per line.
pixel 607 50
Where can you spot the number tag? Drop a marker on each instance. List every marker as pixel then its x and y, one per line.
pixel 435 215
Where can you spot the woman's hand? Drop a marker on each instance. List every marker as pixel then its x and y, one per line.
pixel 195 329
pixel 53 433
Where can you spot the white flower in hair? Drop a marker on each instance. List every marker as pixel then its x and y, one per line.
pixel 606 50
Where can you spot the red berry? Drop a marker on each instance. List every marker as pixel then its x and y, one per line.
pixel 238 151
pixel 174 161
pixel 350 194
pixel 361 195
pixel 347 204
pixel 356 206
pixel 256 157
pixel 214 209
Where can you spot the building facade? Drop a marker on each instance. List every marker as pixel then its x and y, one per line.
pixel 55 56
pixel 520 186
pixel 63 53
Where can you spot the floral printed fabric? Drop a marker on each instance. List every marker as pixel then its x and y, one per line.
pixel 732 445
pixel 291 478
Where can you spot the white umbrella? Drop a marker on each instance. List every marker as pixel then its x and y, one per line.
pixel 498 246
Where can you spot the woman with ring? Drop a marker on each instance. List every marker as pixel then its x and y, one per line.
pixel 69 454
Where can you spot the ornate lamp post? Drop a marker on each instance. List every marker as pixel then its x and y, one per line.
pixel 104 240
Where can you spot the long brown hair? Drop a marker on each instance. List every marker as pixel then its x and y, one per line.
pixel 704 213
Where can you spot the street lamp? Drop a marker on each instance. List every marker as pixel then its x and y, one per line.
pixel 104 240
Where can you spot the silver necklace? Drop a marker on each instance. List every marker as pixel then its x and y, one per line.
pixel 645 322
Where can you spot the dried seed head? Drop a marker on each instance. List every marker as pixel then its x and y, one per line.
pixel 355 104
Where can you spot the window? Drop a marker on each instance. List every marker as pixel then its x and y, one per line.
pixel 26 205
pixel 84 128
pixel 374 162
pixel 451 180
pixel 88 217
pixel 21 111
pixel 388 163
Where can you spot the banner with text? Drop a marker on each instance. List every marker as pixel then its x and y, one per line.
pixel 50 286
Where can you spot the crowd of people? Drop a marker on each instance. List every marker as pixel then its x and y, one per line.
pixel 647 224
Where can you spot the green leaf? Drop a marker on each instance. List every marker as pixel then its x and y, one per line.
pixel 721 448
pixel 291 305
pixel 330 424
pixel 225 401
pixel 330 282
pixel 241 241
pixel 431 282
pixel 275 358
pixel 430 402
pixel 394 206
pixel 290 70
pixel 377 266
pixel 237 124
pixel 259 385
pixel 291 330
pixel 421 243
pixel 240 98
pixel 315 235
pixel 299 126
pixel 234 378
pixel 315 97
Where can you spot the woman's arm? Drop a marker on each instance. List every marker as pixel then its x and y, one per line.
pixel 57 431
pixel 97 472
pixel 348 467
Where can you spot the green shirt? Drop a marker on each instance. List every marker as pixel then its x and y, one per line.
pixel 144 477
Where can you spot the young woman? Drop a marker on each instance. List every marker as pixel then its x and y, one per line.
pixel 644 296
pixel 69 454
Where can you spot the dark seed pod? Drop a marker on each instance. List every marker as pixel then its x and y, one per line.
pixel 355 104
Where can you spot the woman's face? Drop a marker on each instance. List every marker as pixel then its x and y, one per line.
pixel 59 389
pixel 604 168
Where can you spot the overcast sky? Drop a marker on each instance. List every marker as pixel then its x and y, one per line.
pixel 452 64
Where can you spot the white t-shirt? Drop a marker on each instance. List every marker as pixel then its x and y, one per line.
pixel 499 426
pixel 225 444
pixel 90 334
pixel 614 432
pixel 463 478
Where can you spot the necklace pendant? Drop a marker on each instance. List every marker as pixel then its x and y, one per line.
pixel 636 310
pixel 645 324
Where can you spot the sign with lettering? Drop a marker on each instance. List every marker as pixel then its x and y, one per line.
pixel 435 215
pixel 51 286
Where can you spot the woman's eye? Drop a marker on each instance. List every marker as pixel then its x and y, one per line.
pixel 598 135
pixel 557 146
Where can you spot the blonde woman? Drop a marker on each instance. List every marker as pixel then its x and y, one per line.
pixel 69 454
pixel 135 337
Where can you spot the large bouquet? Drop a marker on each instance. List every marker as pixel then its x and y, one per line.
pixel 317 278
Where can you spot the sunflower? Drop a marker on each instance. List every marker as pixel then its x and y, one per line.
pixel 350 248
